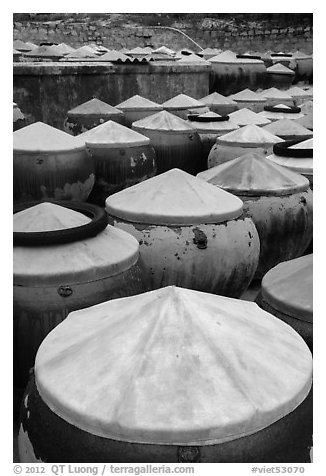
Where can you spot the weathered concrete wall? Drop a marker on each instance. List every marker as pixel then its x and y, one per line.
pixel 117 31
pixel 46 91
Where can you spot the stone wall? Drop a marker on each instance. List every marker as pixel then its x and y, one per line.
pixel 117 31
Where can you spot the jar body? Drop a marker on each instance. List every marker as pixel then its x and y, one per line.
pixel 221 153
pixel 119 168
pixel 284 225
pixel 44 437
pixel 38 309
pixel 279 81
pixel 58 176
pixel 230 78
pixel 214 258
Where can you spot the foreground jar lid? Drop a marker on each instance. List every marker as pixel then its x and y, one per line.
pixel 112 135
pixel 110 252
pixel 164 367
pixel 247 95
pixel 40 137
pixel 252 175
pixel 249 136
pixel 274 93
pixel 94 107
pixel 288 288
pixel 279 68
pixel 285 127
pixel 174 198
pixel 182 101
pixel 163 121
pixel 244 117
pixel 138 102
pixel 216 99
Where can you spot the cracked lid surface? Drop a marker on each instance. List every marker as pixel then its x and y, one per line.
pixel 174 198
pixel 289 288
pixel 173 366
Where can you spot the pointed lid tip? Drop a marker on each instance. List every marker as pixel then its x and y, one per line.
pixel 94 107
pixel 253 174
pixel 280 69
pixel 246 116
pixel 216 99
pixel 250 134
pixel 247 95
pixel 138 102
pixel 182 101
pixel 112 135
pixel 163 121
pixel 47 216
pixel 286 127
pixel 174 198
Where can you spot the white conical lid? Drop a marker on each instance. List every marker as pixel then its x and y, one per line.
pixel 250 135
pixel 211 127
pixel 307 107
pixel 163 121
pixel 288 288
pixel 138 102
pixel 40 137
pixel 286 127
pixel 164 50
pixel 298 92
pixel 225 57
pixel 274 93
pixel 112 135
pixel 282 106
pixel 252 175
pixel 139 50
pixel 174 198
pixel 307 144
pixel 21 46
pixel 306 121
pixel 64 49
pixel 94 107
pixel 174 367
pixel 113 55
pixel 216 99
pixel 193 59
pixel 45 50
pixel 83 52
pixel 279 68
pixel 110 252
pixel 247 95
pixel 47 217
pixel 182 101
pixel 245 116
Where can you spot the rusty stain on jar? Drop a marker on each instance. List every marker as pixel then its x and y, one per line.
pixel 200 239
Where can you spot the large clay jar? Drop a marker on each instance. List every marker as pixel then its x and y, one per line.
pixel 219 104
pixel 138 107
pixel 245 117
pixel 210 126
pixel 231 72
pixel 65 258
pixel 288 130
pixel 237 143
pixel 169 376
pixel 278 201
pixel 182 105
pixel 304 69
pixel 176 142
pixel 299 95
pixel 287 293
pixel 274 96
pixel 122 158
pixel 19 120
pixel 91 114
pixel 249 100
pixel 281 111
pixel 296 156
pixel 191 233
pixel 279 76
pixel 50 164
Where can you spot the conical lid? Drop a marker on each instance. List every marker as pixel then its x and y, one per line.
pixel 174 198
pixel 282 113
pixel 245 116
pixel 114 56
pixel 274 93
pixel 209 51
pixel 250 135
pixel 45 51
pixel 253 175
pixel 225 57
pixel 163 121
pixel 21 46
pixel 139 50
pixel 306 121
pixel 138 102
pixel 306 144
pixel 108 253
pixel 288 288
pixel 32 45
pixel 307 107
pixel 279 68
pixel 192 59
pixel 174 367
pixel 182 101
pixel 247 95
pixel 83 52
pixel 65 49
pixel 164 50
pixel 211 127
pixel 216 99
pixel 298 92
pixel 285 127
pixel 40 137
pixel 112 135
pixel 94 107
